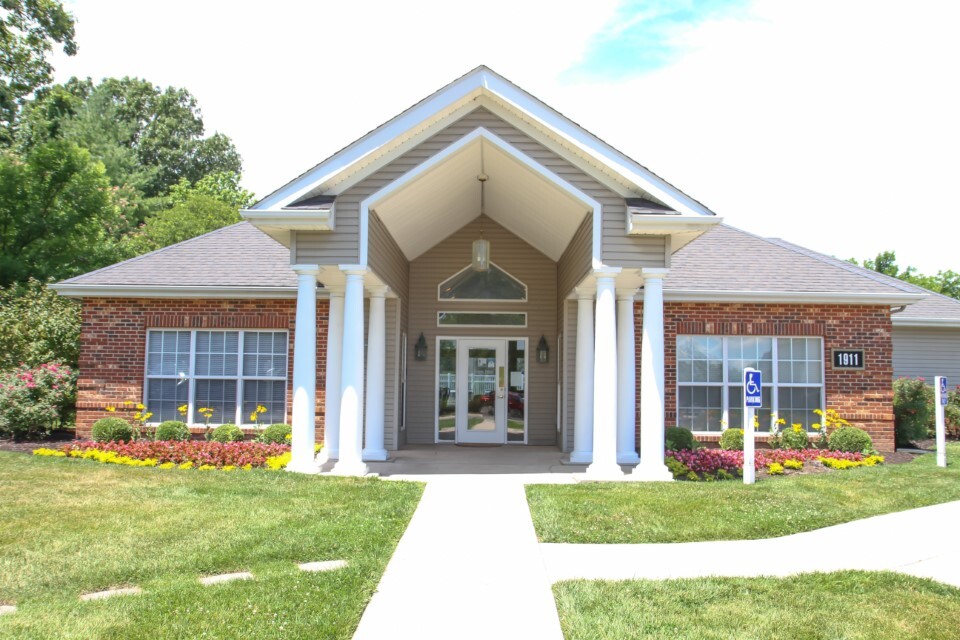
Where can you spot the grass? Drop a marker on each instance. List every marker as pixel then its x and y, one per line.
pixel 727 510
pixel 74 526
pixel 850 604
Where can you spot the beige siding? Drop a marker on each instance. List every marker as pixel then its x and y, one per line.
pixel 390 391
pixel 631 252
pixel 570 361
pixel 325 247
pixel 577 261
pixel 926 352
pixel 519 259
pixel 386 259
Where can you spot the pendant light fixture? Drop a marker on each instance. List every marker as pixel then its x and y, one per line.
pixel 480 260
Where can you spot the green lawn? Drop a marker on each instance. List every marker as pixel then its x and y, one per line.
pixel 728 510
pixel 74 526
pixel 853 604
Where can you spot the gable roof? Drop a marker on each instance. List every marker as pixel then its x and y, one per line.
pixel 728 264
pixel 480 87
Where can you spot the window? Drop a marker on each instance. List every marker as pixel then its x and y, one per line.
pixel 481 319
pixel 492 284
pixel 231 372
pixel 710 374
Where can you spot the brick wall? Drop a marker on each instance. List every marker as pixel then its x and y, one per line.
pixel 865 398
pixel 113 345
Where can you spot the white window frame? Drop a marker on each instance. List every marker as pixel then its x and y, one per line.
pixel 484 326
pixel 774 385
pixel 526 290
pixel 239 377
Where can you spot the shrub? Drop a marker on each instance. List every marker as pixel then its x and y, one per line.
pixel 37 325
pixel 792 464
pixel 775 469
pixel 172 430
pixel 112 430
pixel 678 438
pixel 850 440
pixel 276 434
pixel 35 400
pixel 732 440
pixel 677 468
pixel 795 438
pixel 912 409
pixel 227 433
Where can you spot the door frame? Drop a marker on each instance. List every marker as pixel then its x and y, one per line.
pixel 526 386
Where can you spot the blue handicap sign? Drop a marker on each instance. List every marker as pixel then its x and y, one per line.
pixel 752 385
pixel 943 390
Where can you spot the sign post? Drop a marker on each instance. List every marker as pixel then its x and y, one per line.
pixel 752 399
pixel 941 390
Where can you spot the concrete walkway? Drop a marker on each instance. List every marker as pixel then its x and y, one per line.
pixel 920 542
pixel 468 566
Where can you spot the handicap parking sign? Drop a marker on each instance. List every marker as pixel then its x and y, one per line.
pixel 943 389
pixel 752 386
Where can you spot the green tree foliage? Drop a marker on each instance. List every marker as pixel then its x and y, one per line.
pixel 945 282
pixel 222 186
pixel 197 215
pixel 37 325
pixel 28 30
pixel 57 214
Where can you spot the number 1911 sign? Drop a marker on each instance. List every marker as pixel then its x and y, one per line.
pixel 848 359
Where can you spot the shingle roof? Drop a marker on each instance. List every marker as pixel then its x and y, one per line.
pixel 236 256
pixel 729 259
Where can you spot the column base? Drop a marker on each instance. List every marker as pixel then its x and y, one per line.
pixel 580 457
pixel 346 468
pixel 604 472
pixel 629 457
pixel 652 473
pixel 326 455
pixel 303 466
pixel 375 455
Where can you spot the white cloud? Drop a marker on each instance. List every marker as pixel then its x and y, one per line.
pixel 832 124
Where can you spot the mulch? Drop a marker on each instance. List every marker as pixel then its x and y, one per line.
pixel 26 446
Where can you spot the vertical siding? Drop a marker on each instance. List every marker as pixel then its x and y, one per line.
pixel 522 261
pixel 926 352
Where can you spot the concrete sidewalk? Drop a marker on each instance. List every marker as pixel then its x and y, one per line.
pixel 920 542
pixel 468 566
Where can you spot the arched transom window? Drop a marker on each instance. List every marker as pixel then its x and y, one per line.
pixel 492 284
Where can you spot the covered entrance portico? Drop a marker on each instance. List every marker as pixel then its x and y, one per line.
pixel 421 349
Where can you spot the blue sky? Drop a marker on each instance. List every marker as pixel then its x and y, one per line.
pixel 645 35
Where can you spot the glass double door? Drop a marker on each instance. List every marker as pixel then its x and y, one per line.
pixel 481 391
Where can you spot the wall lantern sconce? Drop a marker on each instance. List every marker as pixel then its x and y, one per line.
pixel 543 351
pixel 420 349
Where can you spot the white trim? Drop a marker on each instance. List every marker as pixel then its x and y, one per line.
pixel 302 220
pixel 485 326
pixel 797 297
pixel 174 291
pixel 933 323
pixel 526 289
pixel 375 198
pixel 668 224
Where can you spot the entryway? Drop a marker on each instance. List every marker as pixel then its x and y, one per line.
pixel 481 390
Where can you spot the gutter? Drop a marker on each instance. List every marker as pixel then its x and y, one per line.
pixel 795 297
pixel 173 291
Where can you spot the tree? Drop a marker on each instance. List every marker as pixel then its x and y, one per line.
pixel 28 30
pixel 197 215
pixel 57 214
pixel 36 326
pixel 945 282
pixel 222 186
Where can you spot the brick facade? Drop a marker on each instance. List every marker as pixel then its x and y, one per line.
pixel 865 398
pixel 113 345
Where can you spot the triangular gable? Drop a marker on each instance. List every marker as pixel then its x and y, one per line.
pixel 481 87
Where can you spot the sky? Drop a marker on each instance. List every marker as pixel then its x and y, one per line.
pixel 829 123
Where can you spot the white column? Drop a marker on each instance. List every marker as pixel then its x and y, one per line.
pixel 626 379
pixel 350 462
pixel 583 393
pixel 651 465
pixel 331 420
pixel 305 372
pixel 376 376
pixel 604 464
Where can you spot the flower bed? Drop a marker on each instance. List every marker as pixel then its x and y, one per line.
pixel 713 464
pixel 182 454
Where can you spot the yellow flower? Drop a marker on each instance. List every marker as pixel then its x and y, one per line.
pixel 182 409
pixel 798 427
pixel 140 406
pixel 111 409
pixel 815 426
pixel 127 402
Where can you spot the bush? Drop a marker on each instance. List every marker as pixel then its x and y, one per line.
pixel 227 433
pixel 794 438
pixel 112 430
pixel 679 438
pixel 912 409
pixel 35 400
pixel 172 430
pixel 37 325
pixel 850 440
pixel 276 434
pixel 732 440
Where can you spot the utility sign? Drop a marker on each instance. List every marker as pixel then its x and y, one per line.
pixel 752 388
pixel 943 389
